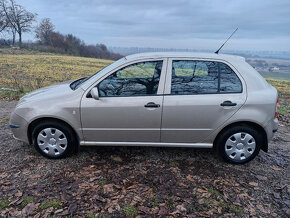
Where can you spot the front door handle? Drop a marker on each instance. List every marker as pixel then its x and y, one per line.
pixel 152 104
pixel 228 103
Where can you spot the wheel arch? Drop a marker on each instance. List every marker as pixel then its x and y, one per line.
pixel 256 126
pixel 35 122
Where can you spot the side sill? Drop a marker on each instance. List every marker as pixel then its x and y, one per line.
pixel 149 144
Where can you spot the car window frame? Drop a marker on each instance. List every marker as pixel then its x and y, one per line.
pixel 161 85
pixel 167 90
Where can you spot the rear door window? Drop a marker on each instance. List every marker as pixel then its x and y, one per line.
pixel 191 77
pixel 194 77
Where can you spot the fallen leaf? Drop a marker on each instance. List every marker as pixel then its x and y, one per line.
pixel 276 168
pixel 117 159
pixel 162 211
pixel 108 188
pixel 253 183
pixel 29 209
pixel 181 208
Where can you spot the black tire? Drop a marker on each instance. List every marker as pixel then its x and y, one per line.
pixel 71 145
pixel 224 136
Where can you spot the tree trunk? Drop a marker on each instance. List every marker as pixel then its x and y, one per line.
pixel 20 38
pixel 13 38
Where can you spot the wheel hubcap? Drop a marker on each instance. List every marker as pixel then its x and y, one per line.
pixel 240 146
pixel 52 141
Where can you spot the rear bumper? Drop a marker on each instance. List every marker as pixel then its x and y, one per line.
pixel 18 127
pixel 270 128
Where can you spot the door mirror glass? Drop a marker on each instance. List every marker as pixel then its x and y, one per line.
pixel 95 93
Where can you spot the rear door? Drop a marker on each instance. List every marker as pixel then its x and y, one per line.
pixel 201 96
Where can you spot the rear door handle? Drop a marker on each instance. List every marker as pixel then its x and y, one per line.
pixel 152 104
pixel 228 103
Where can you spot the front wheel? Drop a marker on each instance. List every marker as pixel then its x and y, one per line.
pixel 53 139
pixel 239 144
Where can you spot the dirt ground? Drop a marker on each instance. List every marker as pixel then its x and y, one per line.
pixel 141 181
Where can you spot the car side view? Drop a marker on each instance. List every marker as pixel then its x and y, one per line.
pixel 197 100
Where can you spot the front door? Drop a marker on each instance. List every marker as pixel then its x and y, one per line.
pixel 201 96
pixel 129 108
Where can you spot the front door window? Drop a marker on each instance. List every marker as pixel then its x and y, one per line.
pixel 140 79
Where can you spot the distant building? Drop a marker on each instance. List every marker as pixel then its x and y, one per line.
pixel 271 69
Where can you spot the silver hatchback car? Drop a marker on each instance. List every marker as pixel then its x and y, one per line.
pixel 154 99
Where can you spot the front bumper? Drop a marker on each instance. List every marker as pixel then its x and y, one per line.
pixel 19 127
pixel 270 128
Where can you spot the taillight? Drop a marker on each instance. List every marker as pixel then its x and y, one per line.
pixel 276 108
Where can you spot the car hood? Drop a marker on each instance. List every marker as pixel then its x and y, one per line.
pixel 52 91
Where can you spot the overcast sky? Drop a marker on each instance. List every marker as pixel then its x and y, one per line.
pixel 193 24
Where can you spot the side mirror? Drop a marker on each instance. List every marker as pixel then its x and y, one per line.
pixel 95 93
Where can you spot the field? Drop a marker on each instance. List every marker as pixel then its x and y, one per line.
pixel 21 73
pixel 24 73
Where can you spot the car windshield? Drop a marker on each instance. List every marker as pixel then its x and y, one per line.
pixel 79 82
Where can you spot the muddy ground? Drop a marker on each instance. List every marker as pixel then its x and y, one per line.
pixel 141 181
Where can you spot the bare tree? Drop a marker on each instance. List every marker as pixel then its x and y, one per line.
pixel 11 29
pixel 3 21
pixel 18 17
pixel 44 31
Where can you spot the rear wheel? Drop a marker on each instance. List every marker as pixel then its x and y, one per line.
pixel 53 139
pixel 239 144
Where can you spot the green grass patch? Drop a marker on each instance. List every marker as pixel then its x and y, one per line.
pixel 154 202
pixel 130 210
pixel 26 200
pixel 284 110
pixel 102 183
pixel 4 203
pixel 216 200
pixel 214 192
pixel 170 203
pixel 209 203
pixel 56 204
pixel 4 120
pixel 236 209
pixel 12 95
pixel 90 215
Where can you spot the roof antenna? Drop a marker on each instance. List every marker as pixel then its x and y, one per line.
pixel 226 41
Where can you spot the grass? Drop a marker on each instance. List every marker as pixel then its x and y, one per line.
pixel 130 210
pixel 4 120
pixel 26 72
pixel 283 88
pixel 56 204
pixel 4 203
pixel 216 200
pixel 90 215
pixel 170 203
pixel 284 110
pixel 154 202
pixel 236 209
pixel 102 183
pixel 26 200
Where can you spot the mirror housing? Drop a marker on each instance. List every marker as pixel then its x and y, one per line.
pixel 95 93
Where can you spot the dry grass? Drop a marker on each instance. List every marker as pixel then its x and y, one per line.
pixel 35 71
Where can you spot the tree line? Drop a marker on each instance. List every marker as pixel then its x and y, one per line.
pixel 16 20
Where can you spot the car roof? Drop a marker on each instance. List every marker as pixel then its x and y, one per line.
pixel 185 55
